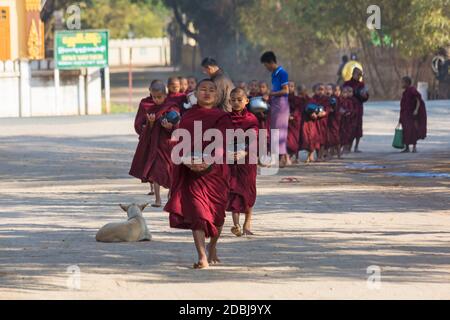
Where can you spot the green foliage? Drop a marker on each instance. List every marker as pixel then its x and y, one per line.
pixel 144 18
pixel 415 27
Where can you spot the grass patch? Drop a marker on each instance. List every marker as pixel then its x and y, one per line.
pixel 118 108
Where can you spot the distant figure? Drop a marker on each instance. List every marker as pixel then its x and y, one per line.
pixel 222 81
pixel 362 95
pixel 341 80
pixel 413 115
pixel 279 111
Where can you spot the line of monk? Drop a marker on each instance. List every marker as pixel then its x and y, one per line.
pixel 200 192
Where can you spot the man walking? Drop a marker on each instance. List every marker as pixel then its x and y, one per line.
pixel 223 83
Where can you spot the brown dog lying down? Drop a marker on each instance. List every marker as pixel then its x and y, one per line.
pixel 132 230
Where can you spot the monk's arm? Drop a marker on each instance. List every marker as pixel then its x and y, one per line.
pixel 416 111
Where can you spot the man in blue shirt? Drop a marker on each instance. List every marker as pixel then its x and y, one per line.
pixel 279 111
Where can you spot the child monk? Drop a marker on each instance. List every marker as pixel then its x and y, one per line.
pixel 253 89
pixel 199 192
pixel 152 162
pixel 295 120
pixel 140 120
pixel 243 176
pixel 310 134
pixel 192 84
pixel 334 123
pixel 183 85
pixel 348 118
pixel 175 94
pixel 264 118
pixel 413 115
pixel 322 99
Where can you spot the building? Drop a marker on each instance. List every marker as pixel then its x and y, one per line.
pixel 30 85
pixel 21 30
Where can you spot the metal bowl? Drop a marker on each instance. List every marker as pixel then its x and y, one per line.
pixel 172 117
pixel 257 104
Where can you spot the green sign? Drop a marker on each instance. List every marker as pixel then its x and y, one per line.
pixel 81 49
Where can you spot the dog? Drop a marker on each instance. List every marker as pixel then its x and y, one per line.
pixel 132 230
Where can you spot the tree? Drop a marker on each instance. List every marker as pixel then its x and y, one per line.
pixel 215 23
pixel 303 31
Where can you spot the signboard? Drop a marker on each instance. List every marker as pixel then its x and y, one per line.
pixel 77 49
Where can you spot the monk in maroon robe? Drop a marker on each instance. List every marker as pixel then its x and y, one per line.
pixel 294 125
pixel 199 192
pixel 184 85
pixel 310 136
pixel 362 95
pixel 243 175
pixel 264 118
pixel 348 118
pixel 152 162
pixel 175 94
pixel 322 99
pixel 334 124
pixel 192 84
pixel 413 115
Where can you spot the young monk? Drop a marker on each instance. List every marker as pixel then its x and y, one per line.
pixel 294 126
pixel 334 124
pixel 413 115
pixel 263 118
pixel 348 119
pixel 183 85
pixel 361 96
pixel 192 84
pixel 198 195
pixel 310 134
pixel 243 176
pixel 253 89
pixel 140 120
pixel 322 99
pixel 152 162
pixel 175 94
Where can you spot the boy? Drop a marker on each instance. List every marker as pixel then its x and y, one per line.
pixel 243 176
pixel 175 94
pixel 294 126
pixel 183 84
pixel 152 161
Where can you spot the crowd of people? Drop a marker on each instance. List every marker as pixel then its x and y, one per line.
pixel 326 124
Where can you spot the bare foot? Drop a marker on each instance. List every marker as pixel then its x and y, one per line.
pixel 151 193
pixel 156 205
pixel 247 232
pixel 236 230
pixel 213 259
pixel 201 265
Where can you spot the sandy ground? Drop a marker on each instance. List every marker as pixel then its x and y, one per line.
pixel 62 178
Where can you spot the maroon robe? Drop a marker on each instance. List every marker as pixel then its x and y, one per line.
pixel 294 125
pixel 322 123
pixel 140 120
pixel 178 98
pixel 334 123
pixel 348 121
pixel 198 200
pixel 357 85
pixel 414 127
pixel 243 176
pixel 310 137
pixel 152 162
